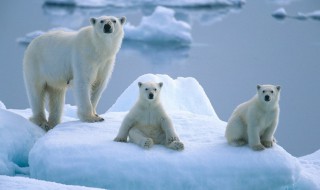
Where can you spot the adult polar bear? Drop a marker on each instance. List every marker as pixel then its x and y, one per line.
pixel 86 56
pixel 256 120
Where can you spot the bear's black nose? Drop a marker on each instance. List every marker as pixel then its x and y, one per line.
pixel 107 28
pixel 150 96
pixel 267 98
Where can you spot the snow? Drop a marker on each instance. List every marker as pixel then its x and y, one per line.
pixel 23 183
pixel 17 137
pixel 160 27
pixel 125 3
pixel 172 96
pixel 77 153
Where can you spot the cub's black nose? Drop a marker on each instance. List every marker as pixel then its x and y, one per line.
pixel 107 28
pixel 150 96
pixel 267 98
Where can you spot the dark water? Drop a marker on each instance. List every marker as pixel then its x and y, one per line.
pixel 233 50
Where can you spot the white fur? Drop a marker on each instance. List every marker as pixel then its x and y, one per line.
pixel 86 57
pixel 256 120
pixel 147 123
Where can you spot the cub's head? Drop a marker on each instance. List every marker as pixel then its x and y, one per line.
pixel 268 93
pixel 106 25
pixel 150 91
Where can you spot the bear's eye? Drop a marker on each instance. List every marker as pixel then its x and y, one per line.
pixel 263 91
pixel 114 21
pixel 101 21
pixel 146 89
pixel 155 89
pixel 271 91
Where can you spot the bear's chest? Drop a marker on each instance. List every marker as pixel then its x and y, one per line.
pixel 266 119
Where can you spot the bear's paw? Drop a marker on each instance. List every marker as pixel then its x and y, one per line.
pixel 267 144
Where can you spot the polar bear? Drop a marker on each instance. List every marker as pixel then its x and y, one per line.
pixel 85 57
pixel 256 120
pixel 147 123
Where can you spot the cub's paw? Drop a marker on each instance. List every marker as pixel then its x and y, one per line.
pixel 171 139
pixel 257 147
pixel 120 139
pixel 176 145
pixel 267 144
pixel 148 143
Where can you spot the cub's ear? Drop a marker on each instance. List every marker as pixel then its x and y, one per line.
pixel 258 87
pixel 278 88
pixel 160 84
pixel 122 20
pixel 93 21
pixel 139 84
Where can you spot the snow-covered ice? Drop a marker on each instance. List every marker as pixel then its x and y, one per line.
pixel 17 136
pixel 23 183
pixel 160 27
pixel 280 13
pixel 77 153
pixel 125 3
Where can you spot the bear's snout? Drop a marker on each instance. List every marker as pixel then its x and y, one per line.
pixel 267 98
pixel 107 28
pixel 150 96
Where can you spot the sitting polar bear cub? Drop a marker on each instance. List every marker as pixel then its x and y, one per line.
pixel 147 123
pixel 256 120
pixel 87 57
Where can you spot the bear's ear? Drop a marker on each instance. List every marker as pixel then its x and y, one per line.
pixel 139 84
pixel 278 88
pixel 93 21
pixel 258 87
pixel 160 84
pixel 122 20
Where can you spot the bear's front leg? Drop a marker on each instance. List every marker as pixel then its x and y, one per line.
pixel 254 138
pixel 267 138
pixel 82 96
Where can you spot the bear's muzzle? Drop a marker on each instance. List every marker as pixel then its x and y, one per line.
pixel 107 28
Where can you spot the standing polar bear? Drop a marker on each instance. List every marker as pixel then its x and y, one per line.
pixel 256 120
pixel 86 56
pixel 147 123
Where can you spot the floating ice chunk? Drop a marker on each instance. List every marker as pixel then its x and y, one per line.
pixel 314 15
pixel 17 136
pixel 125 3
pixel 23 183
pixel 86 154
pixel 32 35
pixel 2 106
pixel 160 27
pixel 181 94
pixel 279 13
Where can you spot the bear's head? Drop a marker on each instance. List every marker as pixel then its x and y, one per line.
pixel 150 91
pixel 106 25
pixel 268 94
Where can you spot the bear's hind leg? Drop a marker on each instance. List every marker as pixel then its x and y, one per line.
pixel 137 137
pixel 36 96
pixel 56 102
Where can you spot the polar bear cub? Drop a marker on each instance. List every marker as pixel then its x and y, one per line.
pixel 85 57
pixel 256 120
pixel 147 123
